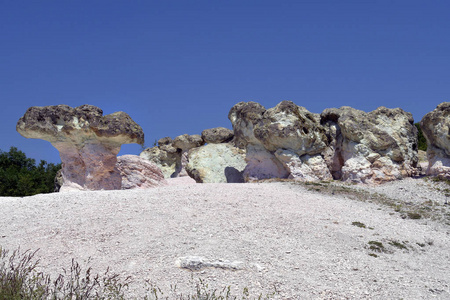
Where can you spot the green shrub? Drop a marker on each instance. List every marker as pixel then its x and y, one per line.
pixel 422 141
pixel 20 176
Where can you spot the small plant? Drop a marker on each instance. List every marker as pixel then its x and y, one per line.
pixel 414 215
pixel 373 254
pixel 359 224
pixel 398 245
pixel 376 246
pixel 19 280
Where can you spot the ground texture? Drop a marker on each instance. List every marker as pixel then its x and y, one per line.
pixel 296 240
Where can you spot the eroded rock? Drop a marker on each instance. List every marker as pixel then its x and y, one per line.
pixel 215 163
pixel 279 140
pixel 165 156
pixel 137 172
pixel 217 135
pixel 87 141
pixel 372 147
pixel 436 129
pixel 186 142
pixel 196 263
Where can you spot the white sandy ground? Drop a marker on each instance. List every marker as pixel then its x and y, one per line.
pixel 298 242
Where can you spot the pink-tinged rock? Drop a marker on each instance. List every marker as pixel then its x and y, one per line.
pixel 87 141
pixel 137 172
pixel 261 164
pixel 304 168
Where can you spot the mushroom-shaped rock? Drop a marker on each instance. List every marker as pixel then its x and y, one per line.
pixel 435 126
pixel 217 135
pixel 87 141
pixel 372 147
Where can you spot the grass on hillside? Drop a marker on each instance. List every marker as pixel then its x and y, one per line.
pixel 20 280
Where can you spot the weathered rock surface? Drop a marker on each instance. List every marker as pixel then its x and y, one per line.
pixel 244 116
pixel 216 163
pixel 289 126
pixel 186 142
pixel 279 141
pixel 217 135
pixel 87 141
pixel 58 181
pixel 304 168
pixel 165 156
pixel 436 129
pixel 196 263
pixel 370 147
pixel 137 172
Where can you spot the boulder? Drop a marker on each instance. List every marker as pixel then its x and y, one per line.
pixel 217 135
pixel 304 168
pixel 87 141
pixel 436 129
pixel 372 147
pixel 215 163
pixel 244 116
pixel 186 142
pixel 166 157
pixel 288 126
pixel 137 172
pixel 279 140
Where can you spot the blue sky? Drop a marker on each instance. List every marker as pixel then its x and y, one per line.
pixel 179 66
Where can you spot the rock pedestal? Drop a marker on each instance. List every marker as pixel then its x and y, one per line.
pixel 87 141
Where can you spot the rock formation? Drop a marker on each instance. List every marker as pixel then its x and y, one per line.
pixel 217 135
pixel 137 172
pixel 171 155
pixel 216 163
pixel 87 141
pixel 436 129
pixel 370 147
pixel 288 141
pixel 284 141
pixel 165 156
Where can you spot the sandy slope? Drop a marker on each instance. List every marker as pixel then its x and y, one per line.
pixel 301 243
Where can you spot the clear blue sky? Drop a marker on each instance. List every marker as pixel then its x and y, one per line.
pixel 179 66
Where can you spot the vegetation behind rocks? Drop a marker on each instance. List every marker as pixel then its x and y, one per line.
pixel 21 176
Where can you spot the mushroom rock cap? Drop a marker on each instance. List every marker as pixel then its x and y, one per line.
pixel 83 124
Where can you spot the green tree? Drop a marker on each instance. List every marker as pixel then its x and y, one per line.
pixel 20 176
pixel 422 141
